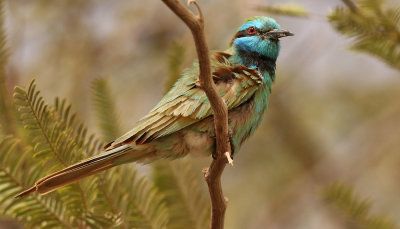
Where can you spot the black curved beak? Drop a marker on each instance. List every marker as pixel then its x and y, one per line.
pixel 278 33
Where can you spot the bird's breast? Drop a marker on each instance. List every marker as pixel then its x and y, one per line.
pixel 198 143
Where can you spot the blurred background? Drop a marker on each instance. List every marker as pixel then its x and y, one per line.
pixel 334 113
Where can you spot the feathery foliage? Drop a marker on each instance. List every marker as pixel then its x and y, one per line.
pixel 104 108
pixel 374 27
pixel 138 202
pixel 57 140
pixel 354 208
pixel 17 172
pixel 54 139
pixel 186 199
pixel 6 113
pixel 175 61
pixel 88 144
pixel 290 9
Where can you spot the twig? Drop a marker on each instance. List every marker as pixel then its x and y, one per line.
pixel 351 5
pixel 213 175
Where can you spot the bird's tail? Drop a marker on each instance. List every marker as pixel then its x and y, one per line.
pixel 83 169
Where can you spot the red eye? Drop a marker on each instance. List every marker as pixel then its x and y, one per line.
pixel 251 30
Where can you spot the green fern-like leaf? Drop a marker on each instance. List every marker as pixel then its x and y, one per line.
pixel 291 9
pixel 356 210
pixel 47 136
pixel 58 140
pixel 88 145
pixel 137 202
pixel 175 61
pixel 375 29
pixel 52 143
pixel 17 172
pixel 104 107
pixel 187 203
pixel 7 120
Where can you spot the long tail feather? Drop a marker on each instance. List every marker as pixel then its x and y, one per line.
pixel 80 170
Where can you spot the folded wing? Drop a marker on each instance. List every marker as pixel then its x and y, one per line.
pixel 186 103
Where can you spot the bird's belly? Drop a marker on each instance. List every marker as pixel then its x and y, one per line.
pixel 198 143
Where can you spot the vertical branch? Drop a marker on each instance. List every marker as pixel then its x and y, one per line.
pixel 213 176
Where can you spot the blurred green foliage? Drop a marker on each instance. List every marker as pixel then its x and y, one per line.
pixel 187 201
pixel 291 9
pixel 176 59
pixel 355 209
pixel 5 103
pixel 55 140
pixel 374 27
pixel 104 107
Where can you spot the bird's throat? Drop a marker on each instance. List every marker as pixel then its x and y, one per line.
pixel 262 63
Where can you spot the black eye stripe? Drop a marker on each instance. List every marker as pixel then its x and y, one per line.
pixel 245 33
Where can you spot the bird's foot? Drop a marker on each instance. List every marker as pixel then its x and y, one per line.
pixel 230 157
pixel 214 155
pixel 231 142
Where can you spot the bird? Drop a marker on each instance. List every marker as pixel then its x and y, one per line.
pixel 182 122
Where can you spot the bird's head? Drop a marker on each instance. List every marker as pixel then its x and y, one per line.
pixel 259 36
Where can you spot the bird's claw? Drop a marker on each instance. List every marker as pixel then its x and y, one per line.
pixel 214 155
pixel 228 156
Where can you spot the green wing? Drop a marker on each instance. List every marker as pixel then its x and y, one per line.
pixel 186 103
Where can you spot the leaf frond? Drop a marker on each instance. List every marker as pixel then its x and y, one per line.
pixel 16 173
pixel 374 28
pixel 186 200
pixel 289 9
pixel 58 139
pixel 355 210
pixel 7 117
pixel 139 203
pixel 104 107
pixel 134 202
pixel 176 57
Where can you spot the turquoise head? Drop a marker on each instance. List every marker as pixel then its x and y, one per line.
pixel 259 36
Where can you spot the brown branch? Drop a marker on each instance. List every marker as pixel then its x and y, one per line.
pixel 213 176
pixel 351 5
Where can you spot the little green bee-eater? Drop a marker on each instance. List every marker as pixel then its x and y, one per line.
pixel 182 122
